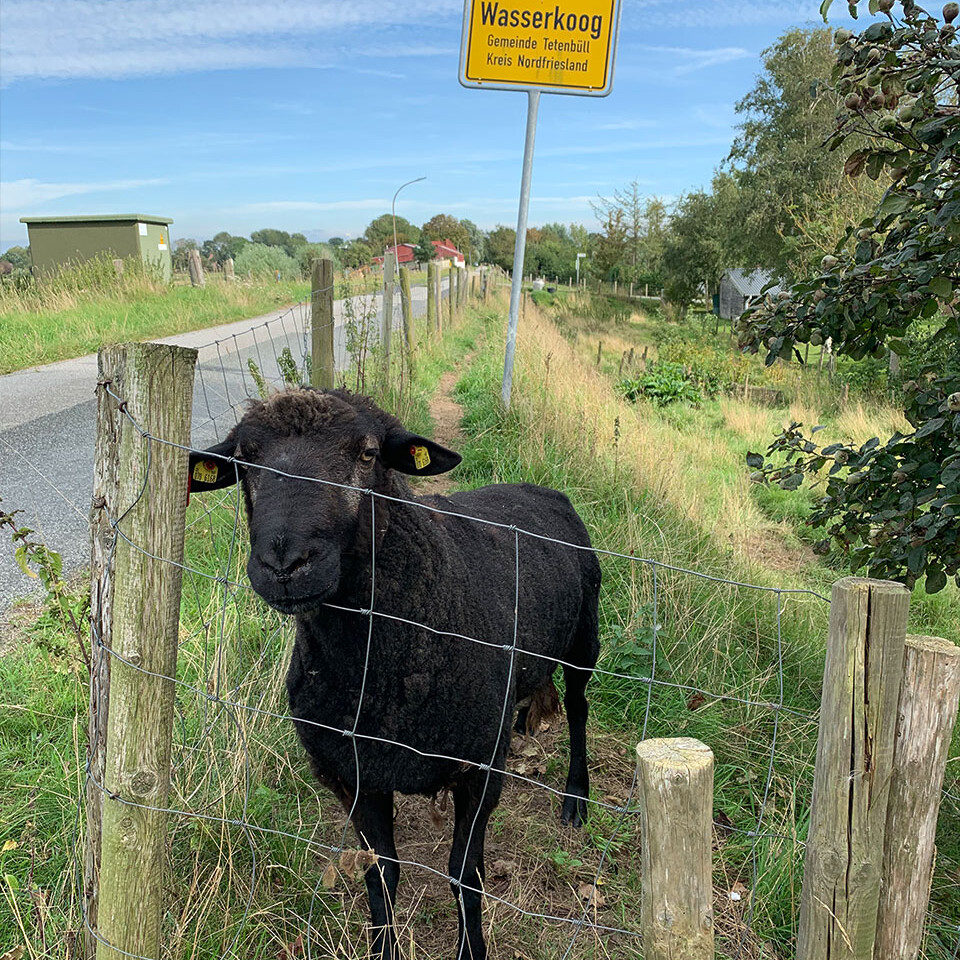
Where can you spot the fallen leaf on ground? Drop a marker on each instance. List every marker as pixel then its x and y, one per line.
pixel 587 891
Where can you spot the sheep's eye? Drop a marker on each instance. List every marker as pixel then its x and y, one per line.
pixel 369 455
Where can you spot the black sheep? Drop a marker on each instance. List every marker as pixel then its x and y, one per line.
pixel 430 709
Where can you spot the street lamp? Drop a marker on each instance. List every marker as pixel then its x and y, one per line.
pixel 579 257
pixel 393 213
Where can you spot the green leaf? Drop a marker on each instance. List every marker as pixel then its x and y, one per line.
pixel 894 203
pixel 22 560
pixel 941 287
pixel 936 581
pixel 825 9
pixel 755 461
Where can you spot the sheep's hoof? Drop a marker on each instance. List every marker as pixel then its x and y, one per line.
pixel 574 811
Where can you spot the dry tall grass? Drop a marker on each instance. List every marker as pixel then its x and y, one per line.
pixel 575 405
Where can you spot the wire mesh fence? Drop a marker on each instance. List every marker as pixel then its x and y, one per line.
pixel 263 862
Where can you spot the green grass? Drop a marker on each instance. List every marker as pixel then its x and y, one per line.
pixel 44 335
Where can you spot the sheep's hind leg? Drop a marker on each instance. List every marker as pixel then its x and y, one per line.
pixel 373 821
pixel 577 791
pixel 474 799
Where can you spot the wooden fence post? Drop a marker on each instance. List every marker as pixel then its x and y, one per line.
pixel 929 693
pixel 676 823
pixel 228 269
pixel 140 485
pixel 432 323
pixel 389 277
pixel 322 370
pixel 409 337
pixel 451 298
pixel 858 717
pixel 197 278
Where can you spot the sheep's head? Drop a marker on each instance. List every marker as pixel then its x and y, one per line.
pixel 305 459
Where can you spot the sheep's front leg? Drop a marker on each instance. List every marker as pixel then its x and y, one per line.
pixel 473 802
pixel 373 821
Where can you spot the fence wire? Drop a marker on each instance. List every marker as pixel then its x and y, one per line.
pixel 248 885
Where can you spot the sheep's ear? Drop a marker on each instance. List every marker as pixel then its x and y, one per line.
pixel 409 453
pixel 211 469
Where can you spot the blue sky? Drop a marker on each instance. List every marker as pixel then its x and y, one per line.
pixel 306 115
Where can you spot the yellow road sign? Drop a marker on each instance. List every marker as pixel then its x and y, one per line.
pixel 558 47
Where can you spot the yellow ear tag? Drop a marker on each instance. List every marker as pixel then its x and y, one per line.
pixel 421 458
pixel 206 471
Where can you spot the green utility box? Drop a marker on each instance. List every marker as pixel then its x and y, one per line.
pixel 58 241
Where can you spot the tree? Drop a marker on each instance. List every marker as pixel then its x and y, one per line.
pixel 778 158
pixel 892 282
pixel 379 233
pixel 697 249
pixel 308 252
pixel 357 253
pixel 475 241
pixel 18 257
pixel 271 238
pixel 424 251
pixel 180 256
pixel 640 224
pixel 337 242
pixel 444 227
pixel 223 246
pixel 501 242
pixel 607 246
pixel 550 252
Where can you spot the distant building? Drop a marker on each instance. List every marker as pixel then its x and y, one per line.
pixel 406 252
pixel 445 250
pixel 58 241
pixel 740 288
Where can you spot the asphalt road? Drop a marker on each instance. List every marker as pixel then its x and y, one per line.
pixel 47 417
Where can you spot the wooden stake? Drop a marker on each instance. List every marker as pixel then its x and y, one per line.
pixel 386 336
pixel 409 337
pixel 140 485
pixel 322 370
pixel 676 813
pixel 929 693
pixel 858 715
pixel 197 278
pixel 432 323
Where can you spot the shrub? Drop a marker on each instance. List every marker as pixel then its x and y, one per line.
pixel 259 260
pixel 713 369
pixel 663 383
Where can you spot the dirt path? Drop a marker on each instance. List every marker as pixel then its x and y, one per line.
pixel 446 414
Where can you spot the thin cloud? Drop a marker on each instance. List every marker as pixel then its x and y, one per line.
pixel 627 125
pixel 62 39
pixel 370 203
pixel 687 59
pixel 19 195
pixel 731 13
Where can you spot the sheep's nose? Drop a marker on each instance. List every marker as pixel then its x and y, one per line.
pixel 283 562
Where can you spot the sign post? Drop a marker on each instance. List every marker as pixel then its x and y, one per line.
pixel 540 46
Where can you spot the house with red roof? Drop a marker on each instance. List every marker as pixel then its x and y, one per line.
pixel 406 252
